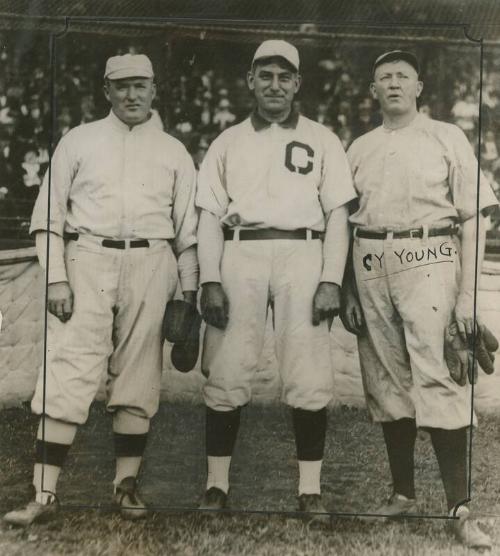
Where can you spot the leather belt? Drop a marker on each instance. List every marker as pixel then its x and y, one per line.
pixel 122 243
pixel 113 243
pixel 272 233
pixel 414 233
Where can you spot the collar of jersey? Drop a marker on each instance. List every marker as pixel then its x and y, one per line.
pixel 259 122
pixel 119 125
pixel 418 121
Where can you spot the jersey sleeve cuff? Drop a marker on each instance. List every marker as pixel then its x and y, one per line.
pixel 333 276
pixel 39 224
pixel 189 283
pixel 212 275
pixel 334 204
pixel 219 211
pixel 57 274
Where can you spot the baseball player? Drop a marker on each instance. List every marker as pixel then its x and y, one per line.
pixel 416 180
pixel 122 226
pixel 269 188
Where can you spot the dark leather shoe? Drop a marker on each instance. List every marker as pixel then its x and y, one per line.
pixel 214 499
pixel 467 531
pixel 127 498
pixel 313 508
pixel 33 512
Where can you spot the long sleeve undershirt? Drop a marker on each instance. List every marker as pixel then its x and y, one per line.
pixel 335 246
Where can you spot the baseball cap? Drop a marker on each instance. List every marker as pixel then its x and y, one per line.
pixel 128 65
pixel 394 55
pixel 279 48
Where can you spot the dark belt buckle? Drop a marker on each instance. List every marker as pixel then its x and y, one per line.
pixel 416 233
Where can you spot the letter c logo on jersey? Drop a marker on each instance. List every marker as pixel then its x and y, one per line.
pixel 299 157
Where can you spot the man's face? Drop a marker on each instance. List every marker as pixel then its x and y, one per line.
pixel 274 85
pixel 396 87
pixel 131 98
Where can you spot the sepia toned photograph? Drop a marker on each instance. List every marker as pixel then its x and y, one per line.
pixel 250 277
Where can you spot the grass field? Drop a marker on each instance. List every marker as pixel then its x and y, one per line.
pixel 264 477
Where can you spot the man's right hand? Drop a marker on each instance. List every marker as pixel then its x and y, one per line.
pixel 214 305
pixel 351 313
pixel 60 300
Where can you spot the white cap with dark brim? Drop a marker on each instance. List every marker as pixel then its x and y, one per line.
pixel 128 65
pixel 283 49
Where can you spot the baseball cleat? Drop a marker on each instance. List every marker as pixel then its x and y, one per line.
pixel 127 499
pixel 467 531
pixel 214 499
pixel 398 505
pixel 33 512
pixel 313 508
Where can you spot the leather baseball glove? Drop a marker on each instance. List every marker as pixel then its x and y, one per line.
pixel 181 327
pixel 459 355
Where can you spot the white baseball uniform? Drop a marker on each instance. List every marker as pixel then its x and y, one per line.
pixel 422 176
pixel 258 175
pixel 112 182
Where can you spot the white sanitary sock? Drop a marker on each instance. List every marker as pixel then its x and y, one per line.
pixel 309 477
pixel 218 472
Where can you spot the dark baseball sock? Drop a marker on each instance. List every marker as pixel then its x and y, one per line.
pixel 51 453
pixel 310 430
pixel 400 439
pixel 49 459
pixel 129 445
pixel 450 447
pixel 221 431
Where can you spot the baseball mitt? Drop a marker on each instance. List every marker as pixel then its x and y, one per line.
pixel 459 355
pixel 456 354
pixel 178 320
pixel 486 345
pixel 181 326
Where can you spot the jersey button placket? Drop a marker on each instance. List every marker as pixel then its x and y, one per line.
pixel 128 178
pixel 120 186
pixel 388 191
pixel 276 160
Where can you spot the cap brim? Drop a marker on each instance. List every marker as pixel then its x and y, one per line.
pixel 125 73
pixel 284 58
pixel 396 56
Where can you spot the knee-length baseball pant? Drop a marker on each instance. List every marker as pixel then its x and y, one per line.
pixel 285 275
pixel 408 289
pixel 119 301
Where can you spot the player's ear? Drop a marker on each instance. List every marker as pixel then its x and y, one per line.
pixel 373 90
pixel 251 80
pixel 298 82
pixel 105 88
pixel 153 91
pixel 420 87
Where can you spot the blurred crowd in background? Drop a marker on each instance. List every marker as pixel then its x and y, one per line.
pixel 197 103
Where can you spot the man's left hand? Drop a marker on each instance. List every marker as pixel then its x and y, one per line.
pixel 326 303
pixel 464 315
